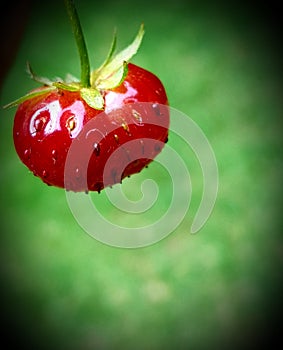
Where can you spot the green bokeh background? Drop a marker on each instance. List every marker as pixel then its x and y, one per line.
pixel 220 288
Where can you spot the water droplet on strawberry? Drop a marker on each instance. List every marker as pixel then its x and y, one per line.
pixel 137 117
pixel 43 133
pixel 96 149
pixel 142 146
pixel 125 126
pixel 156 108
pixel 54 155
pixel 116 137
pixel 77 173
pixel 27 153
pixel 44 174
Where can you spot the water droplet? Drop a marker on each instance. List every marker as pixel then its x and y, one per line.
pixel 116 137
pixel 54 154
pixel 45 174
pixel 142 146
pixel 137 116
pixel 156 108
pixel 77 173
pixel 27 153
pixel 96 149
pixel 125 126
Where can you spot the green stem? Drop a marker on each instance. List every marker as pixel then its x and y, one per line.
pixel 78 33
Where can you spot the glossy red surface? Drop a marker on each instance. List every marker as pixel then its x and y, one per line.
pixel 46 126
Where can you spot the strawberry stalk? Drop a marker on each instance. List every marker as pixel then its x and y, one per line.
pixel 108 76
pixel 79 37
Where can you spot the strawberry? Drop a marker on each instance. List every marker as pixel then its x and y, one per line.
pixel 118 113
pixel 45 127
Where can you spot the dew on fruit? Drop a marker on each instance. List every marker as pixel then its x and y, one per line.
pixel 137 116
pixel 158 91
pixel 116 137
pixel 27 153
pixel 77 173
pixel 96 149
pixel 142 145
pixel 54 154
pixel 44 174
pixel 125 126
pixel 156 108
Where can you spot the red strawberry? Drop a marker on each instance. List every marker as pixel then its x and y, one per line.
pixel 46 125
pixel 120 117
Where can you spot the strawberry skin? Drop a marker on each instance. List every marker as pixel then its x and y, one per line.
pixel 45 127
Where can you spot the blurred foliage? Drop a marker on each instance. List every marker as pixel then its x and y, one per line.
pixel 219 288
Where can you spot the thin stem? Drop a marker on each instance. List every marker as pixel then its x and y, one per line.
pixel 78 33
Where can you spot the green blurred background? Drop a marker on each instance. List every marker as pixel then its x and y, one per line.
pixel 220 288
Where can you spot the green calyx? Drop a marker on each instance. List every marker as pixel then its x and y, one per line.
pixel 108 76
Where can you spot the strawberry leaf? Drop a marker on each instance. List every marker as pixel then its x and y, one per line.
pixel 114 78
pixel 109 56
pixel 112 72
pixel 41 80
pixel 29 96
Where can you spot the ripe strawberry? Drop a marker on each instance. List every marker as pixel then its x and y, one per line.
pixel 46 125
pixel 124 103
